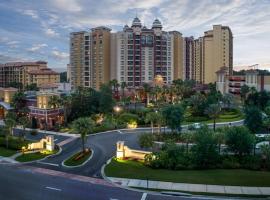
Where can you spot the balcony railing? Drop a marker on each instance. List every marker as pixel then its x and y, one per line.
pixel 44 112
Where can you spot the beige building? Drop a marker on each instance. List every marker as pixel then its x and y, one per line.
pixel 178 55
pixel 217 52
pixel 27 73
pixel 90 58
pixel 198 70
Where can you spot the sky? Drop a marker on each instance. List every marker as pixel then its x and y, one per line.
pixel 39 29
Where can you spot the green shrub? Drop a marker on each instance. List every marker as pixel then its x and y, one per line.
pixel 230 162
pixel 146 140
pixel 196 119
pixel 250 162
pixel 34 132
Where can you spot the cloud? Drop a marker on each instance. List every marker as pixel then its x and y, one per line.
pixel 67 5
pixel 6 58
pixel 60 55
pixel 37 47
pixel 31 13
pixel 51 33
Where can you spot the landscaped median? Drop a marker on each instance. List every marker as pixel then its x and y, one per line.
pixel 7 152
pixel 78 159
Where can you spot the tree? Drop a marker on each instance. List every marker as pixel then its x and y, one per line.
pixel 31 87
pixel 213 111
pixel 244 91
pixel 10 123
pixel 253 118
pixel 19 101
pixel 147 89
pixel 227 100
pixel 153 118
pixel 204 152
pixel 54 101
pixel 83 126
pixel 198 103
pixel 146 140
pixel 106 101
pixel 173 115
pixel 24 122
pixel 239 140
pixel 66 103
pixel 187 138
pixel 123 87
pixel 220 138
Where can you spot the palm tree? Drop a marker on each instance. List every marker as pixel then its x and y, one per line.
pixel 227 100
pixel 147 89
pixel 10 123
pixel 24 121
pixel 244 90
pixel 54 101
pixel 83 126
pixel 187 137
pixel 66 102
pixel 213 111
pixel 123 87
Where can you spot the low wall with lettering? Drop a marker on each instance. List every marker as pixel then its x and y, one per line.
pixel 45 143
pixel 125 152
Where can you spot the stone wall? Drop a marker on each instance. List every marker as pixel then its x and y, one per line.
pixel 123 152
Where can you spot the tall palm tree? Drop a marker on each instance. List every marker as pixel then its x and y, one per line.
pixel 66 103
pixel 10 123
pixel 213 111
pixel 83 126
pixel 123 87
pixel 24 122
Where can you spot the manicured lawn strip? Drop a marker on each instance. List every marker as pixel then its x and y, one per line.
pixel 34 156
pixel 72 162
pixel 136 170
pixel 7 152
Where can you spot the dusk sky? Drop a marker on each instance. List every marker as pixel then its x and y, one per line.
pixel 39 30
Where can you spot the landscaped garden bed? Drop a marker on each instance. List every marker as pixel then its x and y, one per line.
pixel 78 158
pixel 137 170
pixel 28 157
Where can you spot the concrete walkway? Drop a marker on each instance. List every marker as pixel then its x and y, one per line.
pixel 220 189
pixel 7 160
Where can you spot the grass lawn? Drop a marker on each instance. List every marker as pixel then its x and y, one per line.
pixel 7 152
pixel 136 170
pixel 34 156
pixel 73 162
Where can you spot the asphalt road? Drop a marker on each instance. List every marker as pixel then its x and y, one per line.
pixel 24 184
pixel 104 146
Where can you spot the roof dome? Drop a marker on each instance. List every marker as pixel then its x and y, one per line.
pixel 136 22
pixel 156 24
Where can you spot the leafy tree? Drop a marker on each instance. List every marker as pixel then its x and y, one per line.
pixel 18 85
pixel 123 87
pixel 228 100
pixel 128 117
pixel 63 77
pixel 147 89
pixel 66 103
pixel 146 140
pixel 205 151
pixel 174 116
pixel 83 126
pixel 239 140
pixel 24 122
pixel 197 103
pixel 253 118
pixel 213 111
pixel 220 138
pixel 187 138
pixel 31 87
pixel 244 91
pixel 106 101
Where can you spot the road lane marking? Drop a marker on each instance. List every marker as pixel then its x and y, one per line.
pixel 52 188
pixel 144 196
pixel 46 163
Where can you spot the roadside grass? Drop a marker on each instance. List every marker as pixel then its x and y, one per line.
pixel 27 157
pixel 7 152
pixel 234 177
pixel 72 161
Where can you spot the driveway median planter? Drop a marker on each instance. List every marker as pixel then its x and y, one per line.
pixel 78 159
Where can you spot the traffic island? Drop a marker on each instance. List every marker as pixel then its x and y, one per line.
pixel 7 152
pixel 78 159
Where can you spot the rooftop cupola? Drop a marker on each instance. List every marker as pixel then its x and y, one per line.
pixel 136 22
pixel 156 24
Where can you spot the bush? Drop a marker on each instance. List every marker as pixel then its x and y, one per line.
pixel 196 119
pixel 239 140
pixel 230 162
pixel 34 132
pixel 250 162
pixel 146 140
pixel 127 118
pixel 13 143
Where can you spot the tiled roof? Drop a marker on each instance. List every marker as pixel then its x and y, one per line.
pixel 44 71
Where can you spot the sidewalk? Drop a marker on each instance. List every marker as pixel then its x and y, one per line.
pixel 220 189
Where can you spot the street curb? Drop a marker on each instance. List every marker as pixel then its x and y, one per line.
pixel 70 167
pixel 60 151
pixel 126 187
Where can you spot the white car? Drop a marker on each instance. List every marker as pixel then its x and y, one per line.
pixel 194 126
